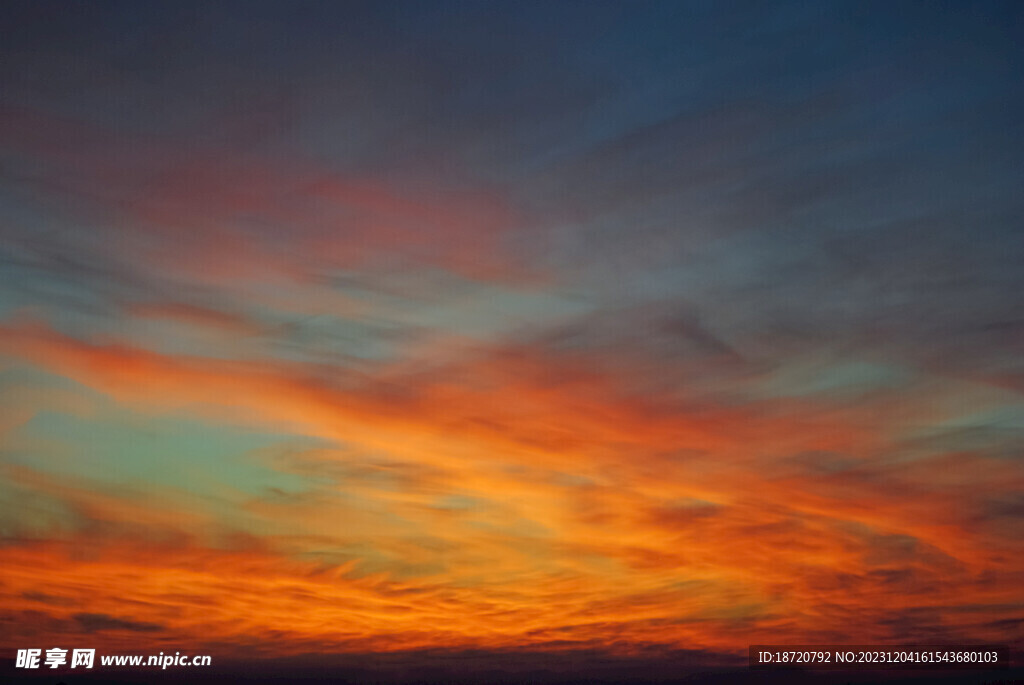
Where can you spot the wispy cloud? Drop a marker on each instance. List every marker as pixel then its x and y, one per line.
pixel 652 329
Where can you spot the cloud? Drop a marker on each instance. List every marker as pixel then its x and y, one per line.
pixel 141 192
pixel 47 599
pixel 91 623
pixel 597 515
pixel 360 328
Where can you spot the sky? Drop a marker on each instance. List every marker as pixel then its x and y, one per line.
pixel 624 328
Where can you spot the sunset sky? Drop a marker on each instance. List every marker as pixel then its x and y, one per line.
pixel 638 328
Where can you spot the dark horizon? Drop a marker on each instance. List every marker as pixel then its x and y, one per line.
pixel 437 667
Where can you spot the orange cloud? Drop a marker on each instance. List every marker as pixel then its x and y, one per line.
pixel 514 499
